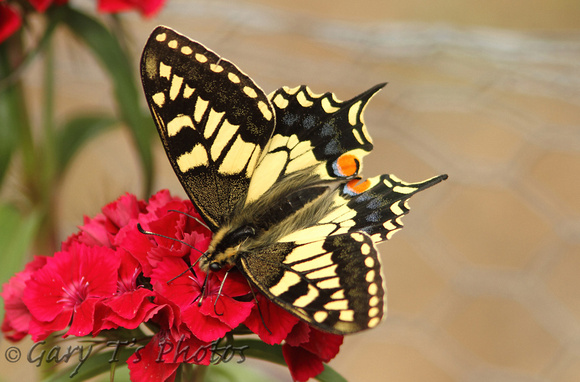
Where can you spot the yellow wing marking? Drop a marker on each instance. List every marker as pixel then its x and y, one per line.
pixel 353 113
pixel 224 135
pixel 280 101
pixel 213 121
pixel 305 251
pixel 265 110
pixel 195 158
pixel 315 263
pixel 176 83
pixel 237 157
pixel 159 99
pixel 164 70
pixel 250 92
pixel 323 273
pixel 327 106
pixel 309 234
pixel 176 124
pixel 234 78
pixel 306 299
pixel 200 106
pixel 187 91
pixel 266 174
pixel 288 280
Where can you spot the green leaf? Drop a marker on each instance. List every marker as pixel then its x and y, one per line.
pixel 273 353
pixel 95 365
pixel 77 131
pixel 106 47
pixel 10 114
pixel 8 131
pixel 16 234
pixel 330 375
pixel 235 372
pixel 15 130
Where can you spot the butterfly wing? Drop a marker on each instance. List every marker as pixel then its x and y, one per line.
pixel 334 283
pixel 326 270
pixel 314 132
pixel 374 206
pixel 214 121
pixel 329 272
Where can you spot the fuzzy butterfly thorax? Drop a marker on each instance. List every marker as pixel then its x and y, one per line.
pixel 277 179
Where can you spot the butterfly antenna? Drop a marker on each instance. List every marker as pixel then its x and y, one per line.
pixel 258 305
pixel 140 229
pixel 220 293
pixel 166 237
pixel 204 288
pixel 191 217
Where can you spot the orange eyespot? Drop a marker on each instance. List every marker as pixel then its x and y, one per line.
pixel 346 165
pixel 355 189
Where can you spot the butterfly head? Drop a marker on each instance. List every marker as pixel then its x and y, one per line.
pixel 224 249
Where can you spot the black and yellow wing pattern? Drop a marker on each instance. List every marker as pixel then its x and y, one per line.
pixel 277 178
pixel 214 121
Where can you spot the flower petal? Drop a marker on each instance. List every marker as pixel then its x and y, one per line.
pixel 10 22
pixel 302 364
pixel 324 345
pixel 278 322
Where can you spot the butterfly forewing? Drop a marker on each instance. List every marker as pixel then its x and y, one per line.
pixel 212 118
pixel 314 132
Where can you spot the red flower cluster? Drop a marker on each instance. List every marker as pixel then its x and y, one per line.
pixel 147 8
pixel 110 275
pixel 11 12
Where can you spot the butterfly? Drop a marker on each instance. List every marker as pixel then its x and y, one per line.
pixel 276 178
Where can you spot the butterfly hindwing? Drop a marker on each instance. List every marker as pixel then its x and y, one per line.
pixel 214 121
pixel 334 283
pixel 306 270
pixel 379 204
pixel 374 206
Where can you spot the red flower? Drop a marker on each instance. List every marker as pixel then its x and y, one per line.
pixel 17 317
pixel 278 322
pixel 10 21
pixel 151 250
pixel 131 305
pixel 68 287
pixel 147 7
pixel 306 348
pixel 103 228
pixel 112 275
pixel 207 315
pixel 40 5
pixel 160 358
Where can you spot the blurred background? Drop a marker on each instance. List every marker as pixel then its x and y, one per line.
pixel 484 281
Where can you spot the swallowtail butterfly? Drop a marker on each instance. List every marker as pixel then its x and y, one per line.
pixel 276 178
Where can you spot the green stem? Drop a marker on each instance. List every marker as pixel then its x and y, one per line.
pixel 46 178
pixel 27 58
pixel 273 353
pixel 118 65
pixel 198 373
